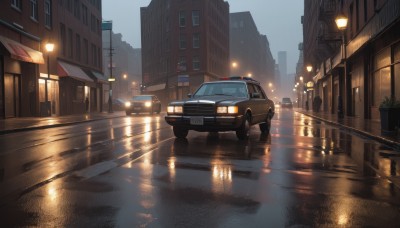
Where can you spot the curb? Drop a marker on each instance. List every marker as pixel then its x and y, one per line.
pixel 31 128
pixel 394 144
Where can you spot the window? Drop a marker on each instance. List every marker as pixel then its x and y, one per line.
pixel 70 43
pixel 94 55
pixel 77 9
pixel 92 23
pixel 63 37
pixel 196 40
pixel 365 10
pixel 86 51
pixel 47 13
pixel 34 10
pixel 16 4
pixel 69 5
pixel 195 17
pixel 182 41
pixel 85 18
pixel 182 64
pixel 196 63
pixel 182 19
pixel 78 47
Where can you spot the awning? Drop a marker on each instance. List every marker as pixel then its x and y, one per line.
pixel 21 52
pixel 157 87
pixel 67 70
pixel 100 77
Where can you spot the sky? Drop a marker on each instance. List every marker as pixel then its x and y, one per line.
pixel 279 20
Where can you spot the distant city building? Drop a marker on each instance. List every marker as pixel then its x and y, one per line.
pixel 34 82
pixel 286 83
pixel 126 66
pixel 184 43
pixel 250 54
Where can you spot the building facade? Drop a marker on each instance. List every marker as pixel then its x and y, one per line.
pixel 184 43
pixel 360 66
pixel 36 82
pixel 250 54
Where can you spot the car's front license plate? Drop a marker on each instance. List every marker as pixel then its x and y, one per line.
pixel 136 108
pixel 196 120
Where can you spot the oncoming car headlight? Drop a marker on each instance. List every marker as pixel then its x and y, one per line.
pixel 175 109
pixel 147 104
pixel 227 110
pixel 128 104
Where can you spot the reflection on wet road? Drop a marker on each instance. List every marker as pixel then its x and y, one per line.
pixel 132 172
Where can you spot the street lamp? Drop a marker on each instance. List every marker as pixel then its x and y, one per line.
pixel 309 68
pixel 341 23
pixel 49 48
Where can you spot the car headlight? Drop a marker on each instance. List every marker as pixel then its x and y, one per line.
pixel 147 104
pixel 227 110
pixel 128 104
pixel 175 109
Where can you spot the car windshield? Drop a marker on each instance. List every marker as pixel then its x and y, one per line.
pixel 141 98
pixel 222 89
pixel 286 100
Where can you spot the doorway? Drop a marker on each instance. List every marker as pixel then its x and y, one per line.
pixel 12 95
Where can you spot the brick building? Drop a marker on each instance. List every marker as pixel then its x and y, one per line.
pixel 29 86
pixel 184 43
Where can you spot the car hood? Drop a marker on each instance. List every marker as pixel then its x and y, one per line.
pixel 219 100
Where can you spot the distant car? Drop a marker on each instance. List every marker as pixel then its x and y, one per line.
pixel 232 104
pixel 286 103
pixel 143 103
pixel 118 104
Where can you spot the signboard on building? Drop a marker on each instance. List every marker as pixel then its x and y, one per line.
pixel 183 80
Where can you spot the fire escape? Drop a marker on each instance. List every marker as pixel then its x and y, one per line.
pixel 329 38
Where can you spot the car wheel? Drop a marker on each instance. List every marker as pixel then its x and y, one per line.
pixel 244 131
pixel 127 113
pixel 159 109
pixel 180 132
pixel 265 127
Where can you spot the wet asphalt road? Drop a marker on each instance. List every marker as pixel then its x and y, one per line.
pixel 132 172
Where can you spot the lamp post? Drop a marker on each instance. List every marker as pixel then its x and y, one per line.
pixel 341 23
pixel 49 48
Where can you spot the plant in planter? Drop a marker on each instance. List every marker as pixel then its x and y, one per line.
pixel 390 114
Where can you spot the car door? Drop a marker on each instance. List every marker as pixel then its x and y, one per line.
pixel 262 104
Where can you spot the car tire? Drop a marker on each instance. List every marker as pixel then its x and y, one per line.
pixel 180 133
pixel 266 126
pixel 244 131
pixel 127 113
pixel 159 110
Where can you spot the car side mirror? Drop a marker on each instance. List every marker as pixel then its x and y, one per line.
pixel 255 95
pixel 189 95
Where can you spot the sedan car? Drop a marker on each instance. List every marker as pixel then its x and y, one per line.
pixel 286 103
pixel 232 104
pixel 143 103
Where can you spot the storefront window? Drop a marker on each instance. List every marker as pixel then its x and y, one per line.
pixel 381 85
pixel 397 71
pixel 42 88
pixel 381 79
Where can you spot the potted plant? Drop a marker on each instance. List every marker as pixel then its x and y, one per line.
pixel 390 114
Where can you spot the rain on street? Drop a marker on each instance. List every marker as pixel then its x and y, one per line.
pixel 132 172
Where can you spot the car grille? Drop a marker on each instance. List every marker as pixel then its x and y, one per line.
pixel 198 109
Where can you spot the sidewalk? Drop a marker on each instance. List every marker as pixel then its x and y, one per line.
pixel 368 128
pixel 32 123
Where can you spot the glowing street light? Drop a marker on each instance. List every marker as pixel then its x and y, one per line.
pixel 309 68
pixel 341 22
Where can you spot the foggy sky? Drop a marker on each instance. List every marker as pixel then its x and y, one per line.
pixel 279 20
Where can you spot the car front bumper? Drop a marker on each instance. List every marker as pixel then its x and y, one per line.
pixel 210 123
